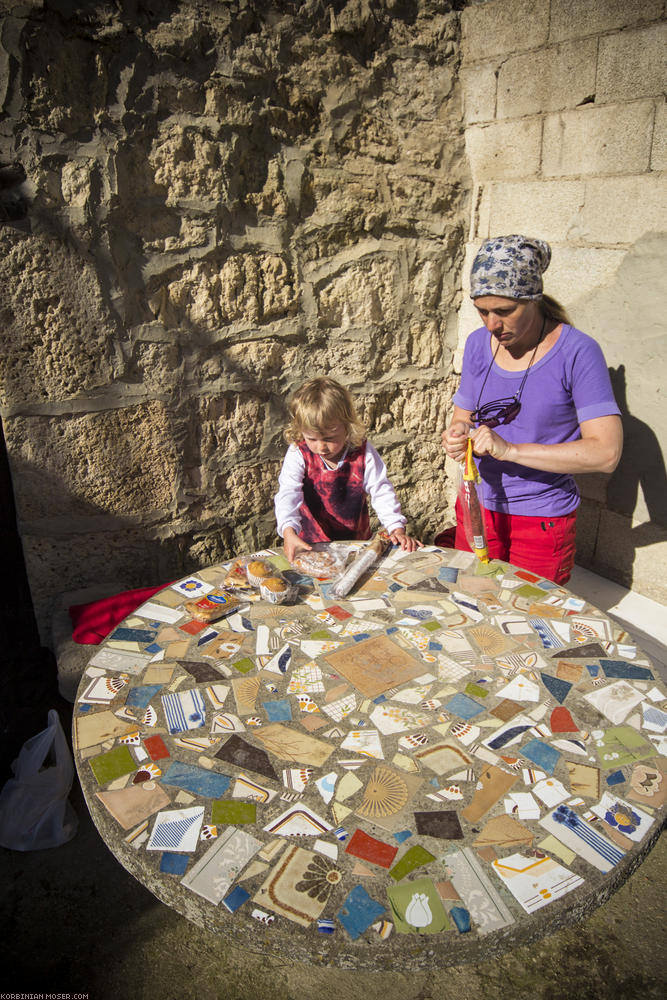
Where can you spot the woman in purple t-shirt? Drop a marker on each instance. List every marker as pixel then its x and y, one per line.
pixel 546 387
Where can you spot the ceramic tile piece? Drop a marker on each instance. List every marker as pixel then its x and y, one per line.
pixel 196 779
pixel 299 885
pixel 417 908
pixel 362 845
pixel 359 912
pixel 542 754
pixel 112 764
pixel 648 785
pixel 184 710
pixel 129 806
pixel 288 744
pixel 503 831
pixel 242 754
pixel 486 907
pixel 618 814
pixel 492 785
pixel 567 826
pixel 230 812
pixel 176 830
pixel 213 875
pixel 443 824
pixel 298 821
pixel 534 882
pixel 375 665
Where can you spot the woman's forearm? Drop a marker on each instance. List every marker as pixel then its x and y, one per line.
pixel 597 450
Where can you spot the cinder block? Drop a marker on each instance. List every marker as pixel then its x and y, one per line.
pixel 635 559
pixel 659 148
pixel 575 273
pixel 550 79
pixel 504 150
pixel 615 139
pixel 503 26
pixel 622 209
pixel 548 209
pixel 632 64
pixel 578 18
pixel 479 92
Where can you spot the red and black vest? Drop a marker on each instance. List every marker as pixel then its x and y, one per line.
pixel 334 504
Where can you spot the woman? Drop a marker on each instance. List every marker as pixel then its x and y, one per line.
pixel 546 387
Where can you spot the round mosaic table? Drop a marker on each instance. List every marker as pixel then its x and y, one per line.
pixel 454 759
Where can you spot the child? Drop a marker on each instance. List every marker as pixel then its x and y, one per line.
pixel 327 472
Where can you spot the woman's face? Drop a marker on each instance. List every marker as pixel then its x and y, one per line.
pixel 514 323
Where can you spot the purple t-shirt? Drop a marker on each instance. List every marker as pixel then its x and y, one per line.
pixel 568 385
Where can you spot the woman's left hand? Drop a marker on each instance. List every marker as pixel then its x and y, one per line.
pixel 487 442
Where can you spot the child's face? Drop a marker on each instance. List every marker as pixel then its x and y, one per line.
pixel 329 442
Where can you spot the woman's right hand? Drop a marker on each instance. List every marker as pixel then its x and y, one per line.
pixel 455 439
pixel 292 544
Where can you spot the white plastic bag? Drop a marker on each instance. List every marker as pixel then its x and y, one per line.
pixel 34 811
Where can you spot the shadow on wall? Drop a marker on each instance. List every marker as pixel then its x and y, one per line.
pixel 630 510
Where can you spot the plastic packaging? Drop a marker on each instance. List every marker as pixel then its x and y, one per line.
pixel 323 561
pixel 363 562
pixel 471 505
pixel 34 811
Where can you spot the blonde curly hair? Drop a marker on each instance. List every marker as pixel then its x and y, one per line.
pixel 318 404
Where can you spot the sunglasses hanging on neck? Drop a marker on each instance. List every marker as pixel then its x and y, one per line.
pixel 503 411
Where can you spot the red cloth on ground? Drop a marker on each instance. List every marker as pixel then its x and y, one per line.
pixel 93 622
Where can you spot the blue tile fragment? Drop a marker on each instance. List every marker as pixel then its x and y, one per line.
pixel 196 779
pixel 463 706
pixel 593 669
pixel 360 636
pixel 359 911
pixel 139 697
pixel 629 671
pixel 615 778
pixel 402 835
pixel 237 897
pixel 278 711
pixel 556 686
pixel 174 864
pixel 461 918
pixel 542 754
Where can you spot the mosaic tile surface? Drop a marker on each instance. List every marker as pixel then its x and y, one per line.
pixel 442 754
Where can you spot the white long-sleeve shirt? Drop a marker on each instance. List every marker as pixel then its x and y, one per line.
pixel 289 497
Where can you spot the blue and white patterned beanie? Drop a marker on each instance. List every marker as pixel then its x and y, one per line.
pixel 510 266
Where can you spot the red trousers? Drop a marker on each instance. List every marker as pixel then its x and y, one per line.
pixel 546 546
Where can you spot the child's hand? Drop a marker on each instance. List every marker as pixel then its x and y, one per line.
pixel 406 542
pixel 292 544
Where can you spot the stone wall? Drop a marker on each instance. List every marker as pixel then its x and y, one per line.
pixel 564 106
pixel 202 205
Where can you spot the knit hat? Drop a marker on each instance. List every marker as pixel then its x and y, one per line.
pixel 510 266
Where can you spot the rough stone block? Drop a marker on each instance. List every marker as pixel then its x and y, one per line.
pixel 55 326
pixel 632 64
pixel 615 139
pixel 578 18
pixel 549 79
pixel 120 462
pixel 659 149
pixel 621 209
pixel 479 92
pixel 247 288
pixel 503 26
pixel 547 209
pixel 504 150
pixel 364 294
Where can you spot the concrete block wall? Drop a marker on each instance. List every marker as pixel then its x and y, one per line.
pixel 564 110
